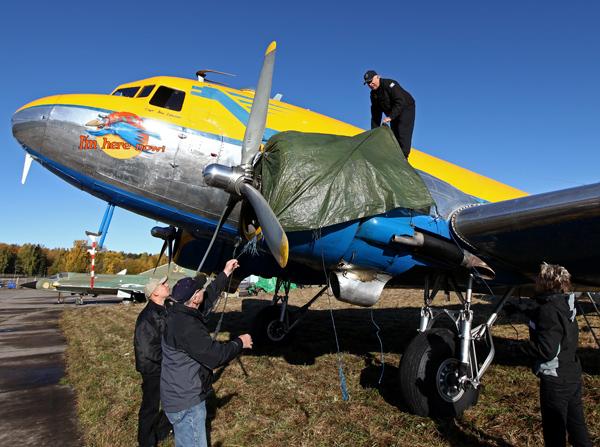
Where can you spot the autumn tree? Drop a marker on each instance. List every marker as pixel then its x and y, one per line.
pixel 77 258
pixel 31 260
pixel 8 258
pixel 57 260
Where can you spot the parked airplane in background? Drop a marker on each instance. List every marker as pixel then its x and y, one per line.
pixel 146 146
pixel 121 284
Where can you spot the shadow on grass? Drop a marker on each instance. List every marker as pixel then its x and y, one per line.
pixel 458 433
pixel 314 336
pixel 455 432
pixel 213 404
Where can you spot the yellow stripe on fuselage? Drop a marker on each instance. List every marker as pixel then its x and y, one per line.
pixel 211 116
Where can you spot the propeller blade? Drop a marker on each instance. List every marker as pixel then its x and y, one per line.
pixel 276 238
pixel 26 166
pixel 258 113
pixel 224 215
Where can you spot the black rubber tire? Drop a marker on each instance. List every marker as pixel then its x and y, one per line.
pixel 418 375
pixel 260 326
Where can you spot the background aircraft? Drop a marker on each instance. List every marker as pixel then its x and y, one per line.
pixel 120 284
pixel 144 147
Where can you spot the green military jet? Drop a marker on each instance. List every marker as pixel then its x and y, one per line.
pixel 130 287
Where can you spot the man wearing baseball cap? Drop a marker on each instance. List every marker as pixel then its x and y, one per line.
pixel 398 105
pixel 153 425
pixel 190 355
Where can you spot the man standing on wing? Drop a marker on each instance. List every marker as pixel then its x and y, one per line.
pixel 190 355
pixel 398 105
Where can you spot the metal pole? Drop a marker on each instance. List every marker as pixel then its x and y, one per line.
pixel 106 223
pixel 92 253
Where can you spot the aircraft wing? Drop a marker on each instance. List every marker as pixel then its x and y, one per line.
pixel 561 227
pixel 100 290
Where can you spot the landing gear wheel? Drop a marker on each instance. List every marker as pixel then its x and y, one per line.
pixel 429 376
pixel 268 330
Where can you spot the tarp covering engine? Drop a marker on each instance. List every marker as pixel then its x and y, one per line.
pixel 315 180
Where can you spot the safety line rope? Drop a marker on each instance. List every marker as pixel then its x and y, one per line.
pixel 380 346
pixel 343 385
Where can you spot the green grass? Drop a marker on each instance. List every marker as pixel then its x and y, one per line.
pixel 291 396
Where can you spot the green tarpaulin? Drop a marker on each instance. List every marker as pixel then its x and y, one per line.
pixel 268 285
pixel 315 180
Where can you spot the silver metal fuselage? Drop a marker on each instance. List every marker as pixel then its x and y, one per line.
pixel 167 186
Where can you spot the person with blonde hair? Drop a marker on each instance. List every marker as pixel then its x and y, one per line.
pixel 554 334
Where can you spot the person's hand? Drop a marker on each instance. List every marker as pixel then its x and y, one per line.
pixel 231 265
pixel 246 341
pixel 386 120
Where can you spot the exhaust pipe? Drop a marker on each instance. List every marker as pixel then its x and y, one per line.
pixel 446 251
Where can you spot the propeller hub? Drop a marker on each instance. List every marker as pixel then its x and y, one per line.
pixel 228 178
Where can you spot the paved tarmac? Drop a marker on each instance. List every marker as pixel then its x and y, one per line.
pixel 35 408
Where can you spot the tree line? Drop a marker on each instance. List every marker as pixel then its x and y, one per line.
pixel 37 260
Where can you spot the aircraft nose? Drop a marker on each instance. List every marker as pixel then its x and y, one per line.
pixel 29 126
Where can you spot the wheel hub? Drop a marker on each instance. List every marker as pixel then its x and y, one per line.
pixel 447 382
pixel 276 330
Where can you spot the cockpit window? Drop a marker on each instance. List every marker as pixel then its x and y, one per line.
pixel 168 98
pixel 126 91
pixel 145 91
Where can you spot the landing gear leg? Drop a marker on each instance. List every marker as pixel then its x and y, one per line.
pixel 275 323
pixel 440 374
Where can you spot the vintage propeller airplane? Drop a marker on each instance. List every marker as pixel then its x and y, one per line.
pixel 187 152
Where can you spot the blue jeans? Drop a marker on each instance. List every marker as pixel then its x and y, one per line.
pixel 190 426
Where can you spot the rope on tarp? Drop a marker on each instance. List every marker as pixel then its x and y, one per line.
pixel 220 322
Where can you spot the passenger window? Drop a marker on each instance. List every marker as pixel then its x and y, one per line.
pixel 145 91
pixel 168 98
pixel 126 91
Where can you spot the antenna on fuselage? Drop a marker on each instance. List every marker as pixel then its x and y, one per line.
pixel 201 75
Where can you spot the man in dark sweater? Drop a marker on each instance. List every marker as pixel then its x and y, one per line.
pixel 399 106
pixel 552 346
pixel 190 355
pixel 153 425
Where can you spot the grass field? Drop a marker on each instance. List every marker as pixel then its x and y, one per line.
pixel 291 396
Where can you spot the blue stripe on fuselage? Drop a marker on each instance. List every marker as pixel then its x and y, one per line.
pixel 241 114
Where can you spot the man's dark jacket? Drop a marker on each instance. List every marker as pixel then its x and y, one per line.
pixel 146 341
pixel 189 352
pixel 554 335
pixel 391 99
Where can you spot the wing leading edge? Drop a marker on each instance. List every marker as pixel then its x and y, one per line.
pixel 561 227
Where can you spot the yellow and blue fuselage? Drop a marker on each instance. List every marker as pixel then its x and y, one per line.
pixel 145 152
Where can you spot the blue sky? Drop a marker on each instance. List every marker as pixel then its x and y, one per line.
pixel 510 90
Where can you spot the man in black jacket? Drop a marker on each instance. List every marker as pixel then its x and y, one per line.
pixel 399 106
pixel 190 355
pixel 153 425
pixel 553 344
